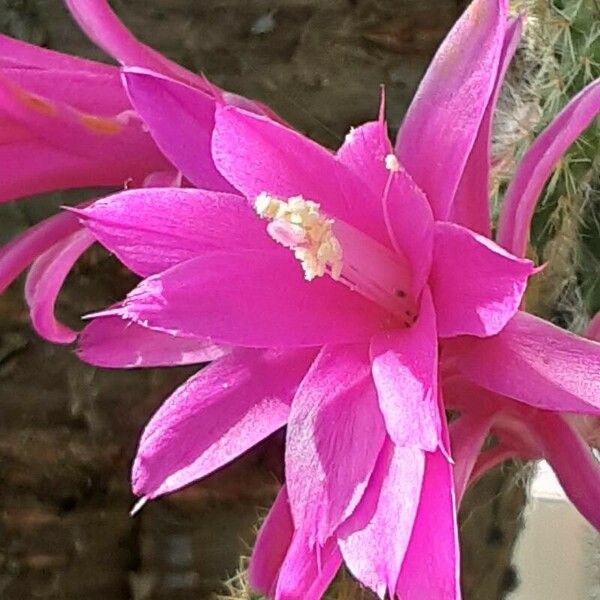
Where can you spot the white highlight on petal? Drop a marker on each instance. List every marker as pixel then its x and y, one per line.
pixel 391 163
pixel 299 225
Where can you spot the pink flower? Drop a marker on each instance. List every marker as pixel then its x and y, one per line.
pixel 326 284
pixel 67 123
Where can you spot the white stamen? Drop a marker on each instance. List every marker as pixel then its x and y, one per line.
pixel 391 163
pixel 298 224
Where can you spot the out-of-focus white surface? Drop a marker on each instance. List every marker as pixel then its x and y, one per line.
pixel 558 553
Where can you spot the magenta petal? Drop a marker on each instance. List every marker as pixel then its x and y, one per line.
pixel 306 573
pixel 15 53
pixel 537 164
pixel 364 151
pixel 151 229
pixel 477 286
pixel 258 155
pixel 20 252
pixel 467 433
pixel 471 203
pixel 573 461
pixel 252 299
pixel 114 342
pixel 335 432
pixel 438 132
pixel 410 225
pixel 549 368
pixel 99 93
pixel 431 566
pixel 374 550
pixel 103 27
pixel 405 373
pixel 181 120
pixel 110 139
pixel 215 416
pixel 271 546
pixel 44 281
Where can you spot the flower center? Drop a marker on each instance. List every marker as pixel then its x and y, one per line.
pixel 325 246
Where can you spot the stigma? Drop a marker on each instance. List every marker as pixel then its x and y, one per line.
pixel 299 225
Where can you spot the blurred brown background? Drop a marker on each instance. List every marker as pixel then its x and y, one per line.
pixel 68 431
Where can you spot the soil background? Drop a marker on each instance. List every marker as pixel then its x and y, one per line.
pixel 68 431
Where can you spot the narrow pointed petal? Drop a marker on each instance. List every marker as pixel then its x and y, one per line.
pixel 335 433
pixel 15 53
pixel 98 93
pixel 537 165
pixel 181 120
pixel 549 368
pixel 477 286
pixel 20 252
pixel 410 224
pixel 217 415
pixel 374 550
pixel 258 155
pixel 271 546
pixel 364 151
pixel 103 27
pixel 405 373
pixel 573 461
pixel 306 573
pixel 153 229
pixel 449 105
pixel 467 433
pixel 431 566
pixel 33 166
pixel 251 299
pixel 111 139
pixel 45 280
pixel 471 203
pixel 489 459
pixel 115 343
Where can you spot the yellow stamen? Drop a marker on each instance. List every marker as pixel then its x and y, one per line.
pixel 298 224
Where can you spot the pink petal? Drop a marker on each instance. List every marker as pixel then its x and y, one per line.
pixel 106 138
pixel 45 280
pixel 99 93
pixel 306 573
pixel 537 165
pixel 252 299
pixel 103 27
pixel 471 203
pixel 114 342
pixel 335 432
pixel 410 225
pixel 20 252
pixel 443 120
pixel 534 362
pixel 258 155
pixel 151 230
pixel 17 53
pixel 363 152
pixel 33 166
pixel 573 461
pixel 181 120
pixel 431 566
pixel 374 549
pixel 468 433
pixel 271 546
pixel 216 416
pixel 405 373
pixel 477 286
